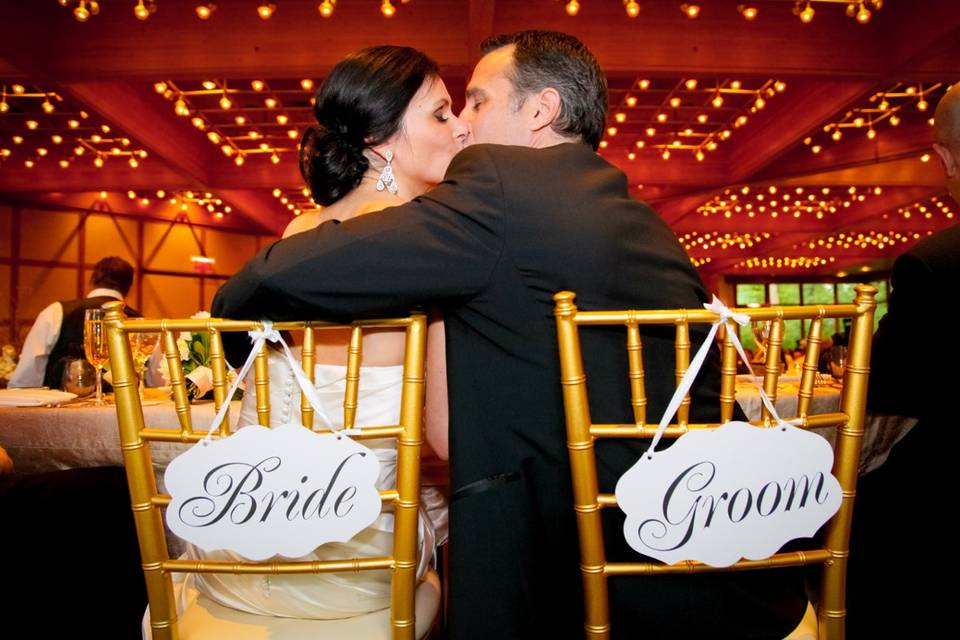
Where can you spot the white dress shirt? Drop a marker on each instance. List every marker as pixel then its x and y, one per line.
pixel 40 342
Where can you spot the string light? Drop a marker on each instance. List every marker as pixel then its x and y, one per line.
pixel 748 12
pixel 326 8
pixel 265 11
pixel 806 15
pixel 632 8
pixel 141 11
pixel 205 10
pixel 691 10
pixel 387 9
pixel 572 8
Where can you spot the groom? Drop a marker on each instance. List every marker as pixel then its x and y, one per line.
pixel 509 227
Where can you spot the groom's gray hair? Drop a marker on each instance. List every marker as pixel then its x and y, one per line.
pixel 559 61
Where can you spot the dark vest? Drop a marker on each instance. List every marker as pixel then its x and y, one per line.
pixel 70 343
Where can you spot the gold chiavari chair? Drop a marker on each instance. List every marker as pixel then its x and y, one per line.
pixel 413 608
pixel 582 434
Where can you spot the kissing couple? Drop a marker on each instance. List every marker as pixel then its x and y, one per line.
pixel 483 217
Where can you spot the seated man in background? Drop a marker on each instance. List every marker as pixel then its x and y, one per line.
pixel 57 333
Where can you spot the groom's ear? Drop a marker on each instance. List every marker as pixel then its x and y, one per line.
pixel 547 104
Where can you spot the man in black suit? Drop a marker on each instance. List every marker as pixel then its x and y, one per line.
pixel 914 367
pixel 509 227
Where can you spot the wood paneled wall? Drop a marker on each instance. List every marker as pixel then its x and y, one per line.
pixel 48 255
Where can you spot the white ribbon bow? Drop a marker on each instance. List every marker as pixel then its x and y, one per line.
pixel 724 313
pixel 259 338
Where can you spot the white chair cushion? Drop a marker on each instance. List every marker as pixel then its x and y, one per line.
pixel 204 619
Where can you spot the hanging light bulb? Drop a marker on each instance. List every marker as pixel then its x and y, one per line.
pixel 81 13
pixel 572 8
pixel 922 104
pixel 274 158
pixel 4 107
pixel 141 11
pixel 863 15
pixel 748 12
pixel 632 8
pixel 806 16
pixel 871 133
pixel 225 102
pixel 47 106
pixel 282 118
pixel 180 107
pixel 306 84
pixel 265 11
pixel 326 8
pixel 198 122
pixel 691 10
pixel 205 10
pixel 894 120
pixel 98 162
pixel 387 9
pixel 717 100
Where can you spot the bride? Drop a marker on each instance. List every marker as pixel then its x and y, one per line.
pixel 385 134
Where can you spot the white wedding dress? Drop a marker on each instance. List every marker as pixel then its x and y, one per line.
pixel 330 595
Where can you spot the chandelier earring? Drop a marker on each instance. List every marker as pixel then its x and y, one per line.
pixel 386 179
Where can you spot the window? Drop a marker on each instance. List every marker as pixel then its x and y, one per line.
pixel 793 293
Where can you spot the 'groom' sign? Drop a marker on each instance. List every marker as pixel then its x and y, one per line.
pixel 264 492
pixel 736 492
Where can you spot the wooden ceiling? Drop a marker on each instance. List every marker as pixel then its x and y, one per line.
pixel 750 177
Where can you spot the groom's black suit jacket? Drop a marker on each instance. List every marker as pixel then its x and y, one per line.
pixel 508 228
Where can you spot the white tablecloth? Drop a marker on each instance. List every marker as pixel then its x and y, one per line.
pixel 880 432
pixel 83 435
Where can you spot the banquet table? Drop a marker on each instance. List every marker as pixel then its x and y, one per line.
pixel 881 432
pixel 85 435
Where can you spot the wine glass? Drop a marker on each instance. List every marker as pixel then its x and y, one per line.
pixel 838 360
pixel 95 346
pixel 79 377
pixel 761 331
pixel 142 346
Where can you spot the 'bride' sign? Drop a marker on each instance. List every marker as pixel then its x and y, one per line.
pixel 737 492
pixel 263 492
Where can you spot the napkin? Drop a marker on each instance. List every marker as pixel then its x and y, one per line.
pixel 33 397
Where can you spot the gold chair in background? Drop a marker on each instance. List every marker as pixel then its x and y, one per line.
pixel 582 433
pixel 412 610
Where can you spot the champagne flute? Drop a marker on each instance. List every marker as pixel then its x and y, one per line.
pixel 761 331
pixel 838 360
pixel 95 346
pixel 142 345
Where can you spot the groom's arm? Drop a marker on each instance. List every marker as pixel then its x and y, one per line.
pixel 441 246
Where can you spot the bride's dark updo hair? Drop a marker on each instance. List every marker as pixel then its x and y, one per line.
pixel 359 105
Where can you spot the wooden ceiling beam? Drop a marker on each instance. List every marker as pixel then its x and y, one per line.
pixel 793 120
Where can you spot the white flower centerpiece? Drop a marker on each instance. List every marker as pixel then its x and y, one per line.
pixel 194 350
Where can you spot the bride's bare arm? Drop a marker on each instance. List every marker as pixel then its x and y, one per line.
pixel 435 411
